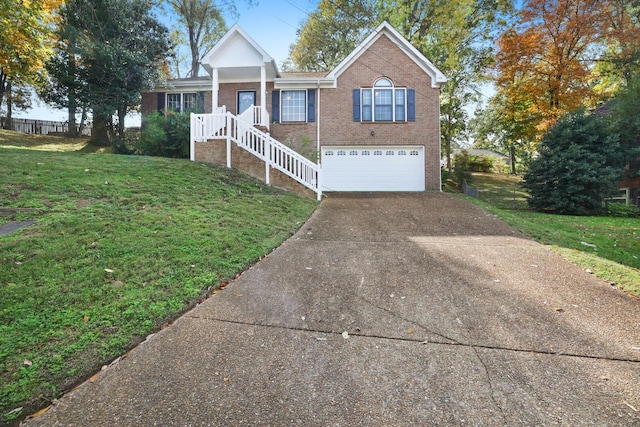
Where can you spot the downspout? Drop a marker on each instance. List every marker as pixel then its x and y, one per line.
pixel 318 124
pixel 318 155
pixel 439 139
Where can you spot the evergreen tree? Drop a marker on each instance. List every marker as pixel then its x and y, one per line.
pixel 579 162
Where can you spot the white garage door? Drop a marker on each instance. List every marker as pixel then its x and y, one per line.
pixel 382 168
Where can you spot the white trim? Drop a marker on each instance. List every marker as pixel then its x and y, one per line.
pixel 437 77
pixel 182 94
pixel 306 106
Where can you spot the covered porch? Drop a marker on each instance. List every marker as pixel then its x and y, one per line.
pixel 237 59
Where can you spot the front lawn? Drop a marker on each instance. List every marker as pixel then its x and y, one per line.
pixel 607 246
pixel 121 246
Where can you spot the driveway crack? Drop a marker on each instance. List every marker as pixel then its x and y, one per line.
pixel 490 383
pixel 451 342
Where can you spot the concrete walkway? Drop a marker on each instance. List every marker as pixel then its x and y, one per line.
pixel 400 310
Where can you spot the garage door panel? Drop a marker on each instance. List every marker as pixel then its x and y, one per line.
pixel 383 168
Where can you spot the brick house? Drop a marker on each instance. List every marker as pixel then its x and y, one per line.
pixel 370 124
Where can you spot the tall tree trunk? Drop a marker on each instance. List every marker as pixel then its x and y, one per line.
pixel 9 123
pixel 3 86
pixel 83 121
pixel 512 155
pixel 100 131
pixel 122 112
pixel 195 60
pixel 72 109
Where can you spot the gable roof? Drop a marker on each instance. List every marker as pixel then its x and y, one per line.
pixel 437 77
pixel 235 52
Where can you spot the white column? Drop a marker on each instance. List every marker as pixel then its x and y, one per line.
pixel 263 92
pixel 215 86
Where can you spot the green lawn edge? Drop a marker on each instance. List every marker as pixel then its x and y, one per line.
pixel 624 277
pixel 121 246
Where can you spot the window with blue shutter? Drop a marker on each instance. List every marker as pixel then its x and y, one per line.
pixel 356 105
pixel 161 100
pixel 311 106
pixel 411 105
pixel 384 103
pixel 200 103
pixel 275 106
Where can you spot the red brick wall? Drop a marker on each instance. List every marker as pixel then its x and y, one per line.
pixel 384 59
pixel 335 109
pixel 149 102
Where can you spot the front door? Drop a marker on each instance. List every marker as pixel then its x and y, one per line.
pixel 246 98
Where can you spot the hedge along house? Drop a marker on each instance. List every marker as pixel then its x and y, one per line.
pixel 370 124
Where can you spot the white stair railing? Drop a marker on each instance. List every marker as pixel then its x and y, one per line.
pixel 241 131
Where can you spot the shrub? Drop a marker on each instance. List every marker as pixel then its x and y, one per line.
pixel 165 135
pixel 579 163
pixel 623 210
pixel 461 171
pixel 480 163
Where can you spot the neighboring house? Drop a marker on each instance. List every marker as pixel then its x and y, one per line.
pixel 630 185
pixel 372 123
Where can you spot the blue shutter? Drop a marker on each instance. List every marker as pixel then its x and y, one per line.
pixel 356 105
pixel 161 102
pixel 275 106
pixel 411 105
pixel 311 105
pixel 200 103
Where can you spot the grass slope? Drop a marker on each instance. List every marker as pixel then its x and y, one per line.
pixel 608 246
pixel 121 245
pixel 10 139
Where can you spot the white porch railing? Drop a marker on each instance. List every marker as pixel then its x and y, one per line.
pixel 207 126
pixel 256 115
pixel 224 125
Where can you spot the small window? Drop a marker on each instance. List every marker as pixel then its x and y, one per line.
pixel 413 152
pixel 173 101
pixel 377 153
pixel 328 153
pixel 342 153
pixel 390 153
pixel 189 101
pixel 353 153
pixel 365 153
pixel 402 153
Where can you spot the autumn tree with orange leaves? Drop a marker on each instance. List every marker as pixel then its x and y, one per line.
pixel 544 63
pixel 24 40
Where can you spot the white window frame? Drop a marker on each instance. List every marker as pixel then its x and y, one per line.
pixel 181 107
pixel 369 107
pixel 284 110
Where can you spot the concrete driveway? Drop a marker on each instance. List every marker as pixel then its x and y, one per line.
pixel 386 309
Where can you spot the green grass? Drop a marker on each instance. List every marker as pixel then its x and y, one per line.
pixel 10 139
pixel 121 245
pixel 608 246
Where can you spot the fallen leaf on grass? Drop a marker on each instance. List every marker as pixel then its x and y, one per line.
pixel 40 412
pixel 27 363
pixel 85 319
pixel 118 283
